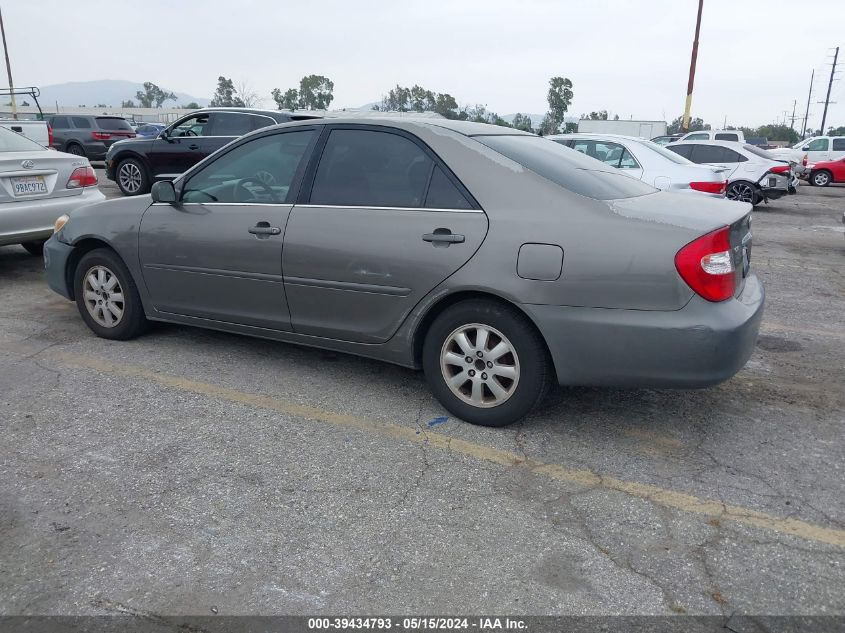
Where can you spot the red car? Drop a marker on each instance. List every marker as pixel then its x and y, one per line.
pixel 825 172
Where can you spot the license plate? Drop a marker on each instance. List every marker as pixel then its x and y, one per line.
pixel 29 185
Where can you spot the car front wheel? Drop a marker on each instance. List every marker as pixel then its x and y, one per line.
pixel 132 179
pixel 107 297
pixel 486 363
pixel 820 178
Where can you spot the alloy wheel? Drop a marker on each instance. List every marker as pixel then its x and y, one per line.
pixel 480 365
pixel 129 176
pixel 821 179
pixel 103 296
pixel 741 192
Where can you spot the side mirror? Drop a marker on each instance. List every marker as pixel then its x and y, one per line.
pixel 805 148
pixel 163 191
pixel 163 134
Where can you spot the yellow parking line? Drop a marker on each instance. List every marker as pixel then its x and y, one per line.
pixel 558 472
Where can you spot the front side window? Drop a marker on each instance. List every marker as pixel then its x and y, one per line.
pixel 192 126
pixel 818 145
pixel 566 168
pixel 231 123
pixel 371 169
pixel 259 171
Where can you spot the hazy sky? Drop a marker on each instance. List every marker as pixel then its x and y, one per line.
pixel 628 57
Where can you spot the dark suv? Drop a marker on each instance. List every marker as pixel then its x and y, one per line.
pixel 89 136
pixel 137 163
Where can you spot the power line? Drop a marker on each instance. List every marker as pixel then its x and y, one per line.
pixel 829 86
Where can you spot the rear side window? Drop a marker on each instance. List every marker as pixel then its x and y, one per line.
pixel 724 136
pixel 684 150
pixel 566 168
pixel 14 142
pixel 60 122
pixel 113 123
pixel 443 194
pixel 839 145
pixel 259 122
pixel 371 169
pixel 709 154
pixel 231 124
pixel 81 122
pixel 731 156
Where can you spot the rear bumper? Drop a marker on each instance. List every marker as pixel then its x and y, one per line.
pixel 29 220
pixel 700 345
pixel 56 255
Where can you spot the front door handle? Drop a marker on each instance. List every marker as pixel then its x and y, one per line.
pixel 263 230
pixel 443 237
pixel 193 146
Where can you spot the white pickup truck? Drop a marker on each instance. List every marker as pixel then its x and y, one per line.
pixel 811 150
pixel 37 131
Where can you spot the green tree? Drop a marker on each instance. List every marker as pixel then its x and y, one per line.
pixel 675 127
pixel 778 133
pixel 835 131
pixel 445 105
pixel 193 105
pixel 522 122
pixel 597 116
pixel 560 98
pixel 315 92
pixel 152 96
pixel 225 95
pixel 287 100
pixel 127 104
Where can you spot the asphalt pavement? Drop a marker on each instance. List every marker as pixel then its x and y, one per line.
pixel 196 472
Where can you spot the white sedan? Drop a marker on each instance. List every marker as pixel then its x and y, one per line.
pixel 37 185
pixel 753 176
pixel 649 162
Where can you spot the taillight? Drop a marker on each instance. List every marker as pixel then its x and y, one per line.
pixel 804 161
pixel 710 187
pixel 82 177
pixel 49 135
pixel 780 169
pixel 707 267
pixel 100 136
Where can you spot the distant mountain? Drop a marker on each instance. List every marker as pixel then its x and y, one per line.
pixel 109 92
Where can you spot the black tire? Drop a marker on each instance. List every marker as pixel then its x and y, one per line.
pixel 132 323
pixel 821 178
pixel 535 372
pixel 141 177
pixel 736 191
pixel 76 149
pixel 34 248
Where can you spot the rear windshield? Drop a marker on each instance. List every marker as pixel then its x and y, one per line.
pixel 565 167
pixel 113 123
pixel 14 142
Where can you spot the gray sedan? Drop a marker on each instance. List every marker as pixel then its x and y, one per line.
pixel 496 261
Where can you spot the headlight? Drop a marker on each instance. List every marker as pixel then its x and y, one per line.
pixel 60 222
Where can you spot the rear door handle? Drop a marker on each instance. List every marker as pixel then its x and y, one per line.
pixel 443 237
pixel 193 146
pixel 263 229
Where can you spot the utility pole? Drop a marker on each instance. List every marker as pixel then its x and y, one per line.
pixel 9 68
pixel 685 123
pixel 809 96
pixel 829 86
pixel 792 119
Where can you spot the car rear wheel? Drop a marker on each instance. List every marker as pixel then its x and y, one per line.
pixel 34 248
pixel 486 363
pixel 107 296
pixel 132 179
pixel 75 149
pixel 820 178
pixel 742 192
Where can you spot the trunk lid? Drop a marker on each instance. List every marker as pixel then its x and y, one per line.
pixel 37 175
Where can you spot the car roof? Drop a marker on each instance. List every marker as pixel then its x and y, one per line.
pixel 467 128
pixel 732 144
pixel 624 137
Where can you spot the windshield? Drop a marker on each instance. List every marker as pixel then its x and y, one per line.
pixel 565 167
pixel 14 142
pixel 666 153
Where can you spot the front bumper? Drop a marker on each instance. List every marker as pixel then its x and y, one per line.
pixel 700 345
pixel 31 220
pixel 56 255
